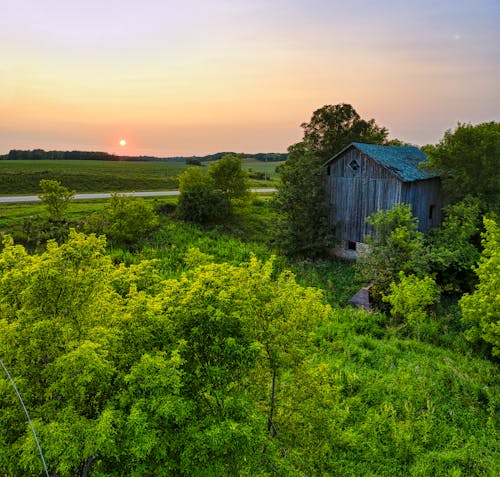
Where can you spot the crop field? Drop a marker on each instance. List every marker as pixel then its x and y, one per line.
pixel 22 177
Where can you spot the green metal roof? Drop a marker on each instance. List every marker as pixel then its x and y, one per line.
pixel 403 161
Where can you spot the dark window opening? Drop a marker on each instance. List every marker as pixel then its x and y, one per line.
pixel 328 171
pixel 431 211
pixel 351 245
pixel 354 165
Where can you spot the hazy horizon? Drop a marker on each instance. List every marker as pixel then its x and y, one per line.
pixel 203 77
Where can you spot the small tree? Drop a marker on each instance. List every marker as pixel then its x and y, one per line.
pixel 481 309
pixel 229 177
pixel 128 218
pixel 396 246
pixel 55 198
pixel 455 245
pixel 200 201
pixel 301 198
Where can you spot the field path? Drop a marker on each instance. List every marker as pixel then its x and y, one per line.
pixel 11 199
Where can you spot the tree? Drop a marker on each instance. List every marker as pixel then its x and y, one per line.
pixel 302 196
pixel 200 201
pixel 395 246
pixel 304 228
pixel 455 245
pixel 468 160
pixel 481 309
pixel 229 177
pixel 334 127
pixel 55 198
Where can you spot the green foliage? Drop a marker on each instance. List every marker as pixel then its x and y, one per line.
pixel 55 198
pixel 334 127
pixel 410 299
pixel 200 201
pixel 132 374
pixel 228 176
pixel 481 309
pixel 395 246
pixel 127 219
pixel 468 160
pixel 301 199
pixel 455 245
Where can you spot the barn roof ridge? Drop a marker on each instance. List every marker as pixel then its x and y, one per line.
pixel 402 161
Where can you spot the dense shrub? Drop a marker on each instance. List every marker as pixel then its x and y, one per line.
pixel 126 219
pixel 481 309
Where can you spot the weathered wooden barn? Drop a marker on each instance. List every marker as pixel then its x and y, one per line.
pixel 365 178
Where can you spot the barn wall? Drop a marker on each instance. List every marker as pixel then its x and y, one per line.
pixel 356 194
pixel 425 198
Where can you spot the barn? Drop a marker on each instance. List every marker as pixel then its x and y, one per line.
pixel 365 178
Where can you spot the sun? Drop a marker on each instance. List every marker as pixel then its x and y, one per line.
pixel 123 142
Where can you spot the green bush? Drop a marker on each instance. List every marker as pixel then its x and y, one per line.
pixel 396 246
pixel 481 309
pixel 200 201
pixel 411 298
pixel 127 219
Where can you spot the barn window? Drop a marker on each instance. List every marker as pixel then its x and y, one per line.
pixel 351 245
pixel 354 165
pixel 328 171
pixel 431 211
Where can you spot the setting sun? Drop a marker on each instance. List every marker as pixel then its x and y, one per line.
pixel 123 142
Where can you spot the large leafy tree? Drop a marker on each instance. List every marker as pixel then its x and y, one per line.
pixel 302 197
pixel 468 160
pixel 334 127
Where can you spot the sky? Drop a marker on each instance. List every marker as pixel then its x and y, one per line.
pixel 202 76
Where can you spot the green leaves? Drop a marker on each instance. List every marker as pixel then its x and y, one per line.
pixel 334 127
pixel 396 245
pixel 468 160
pixel 481 309
pixel 301 198
pixel 125 372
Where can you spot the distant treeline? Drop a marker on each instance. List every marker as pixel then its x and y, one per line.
pixel 40 154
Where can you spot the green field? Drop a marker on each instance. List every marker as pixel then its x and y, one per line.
pixel 22 177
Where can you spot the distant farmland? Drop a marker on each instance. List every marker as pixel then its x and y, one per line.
pixel 22 177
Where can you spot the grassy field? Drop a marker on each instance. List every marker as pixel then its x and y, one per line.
pixel 22 177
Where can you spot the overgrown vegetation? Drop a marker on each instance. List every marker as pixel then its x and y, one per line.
pixel 177 348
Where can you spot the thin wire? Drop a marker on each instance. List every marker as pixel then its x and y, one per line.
pixel 27 415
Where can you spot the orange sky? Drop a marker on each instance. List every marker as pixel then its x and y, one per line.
pixel 201 77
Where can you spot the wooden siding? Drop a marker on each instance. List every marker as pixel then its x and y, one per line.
pixel 355 193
